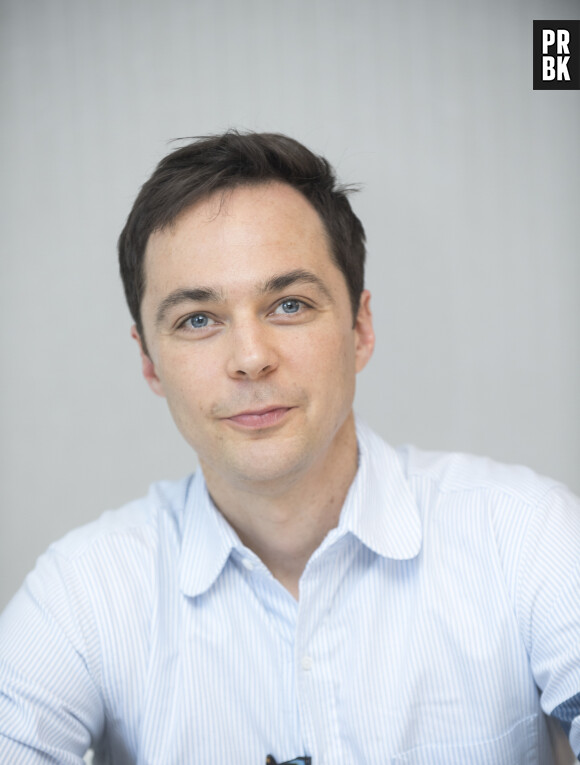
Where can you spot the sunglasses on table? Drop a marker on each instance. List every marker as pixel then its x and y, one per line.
pixel 270 760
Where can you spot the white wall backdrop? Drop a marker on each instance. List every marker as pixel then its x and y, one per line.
pixel 470 200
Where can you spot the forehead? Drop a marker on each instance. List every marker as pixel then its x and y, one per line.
pixel 242 234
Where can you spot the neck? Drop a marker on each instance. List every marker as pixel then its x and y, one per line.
pixel 285 526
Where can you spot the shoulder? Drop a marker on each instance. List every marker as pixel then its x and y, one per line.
pixel 464 489
pixel 455 474
pixel 114 560
pixel 101 581
pixel 81 624
pixel 528 518
pixel 140 524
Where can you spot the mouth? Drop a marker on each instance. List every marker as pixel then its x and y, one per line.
pixel 260 418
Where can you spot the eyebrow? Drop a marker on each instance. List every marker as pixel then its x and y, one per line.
pixel 282 281
pixel 197 295
pixel 210 295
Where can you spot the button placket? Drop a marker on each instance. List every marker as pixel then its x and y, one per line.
pixel 315 681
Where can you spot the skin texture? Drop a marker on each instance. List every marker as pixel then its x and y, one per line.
pixel 250 338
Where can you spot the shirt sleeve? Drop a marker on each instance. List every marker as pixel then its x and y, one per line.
pixel 548 606
pixel 50 706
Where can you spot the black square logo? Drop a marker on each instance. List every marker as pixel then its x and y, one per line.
pixel 556 55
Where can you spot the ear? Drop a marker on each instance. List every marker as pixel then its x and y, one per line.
pixel 364 332
pixel 147 366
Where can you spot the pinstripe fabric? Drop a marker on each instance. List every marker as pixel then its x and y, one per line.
pixel 426 623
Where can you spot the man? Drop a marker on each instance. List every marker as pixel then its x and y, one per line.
pixel 310 592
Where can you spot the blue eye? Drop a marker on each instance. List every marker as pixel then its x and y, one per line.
pixel 198 321
pixel 290 306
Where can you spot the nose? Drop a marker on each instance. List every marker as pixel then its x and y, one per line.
pixel 252 352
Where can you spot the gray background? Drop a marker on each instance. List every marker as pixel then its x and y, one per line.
pixel 470 201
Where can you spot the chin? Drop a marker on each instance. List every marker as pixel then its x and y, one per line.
pixel 268 465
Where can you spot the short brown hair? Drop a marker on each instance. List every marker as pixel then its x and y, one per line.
pixel 221 162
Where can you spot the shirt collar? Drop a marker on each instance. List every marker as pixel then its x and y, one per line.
pixel 207 542
pixel 379 510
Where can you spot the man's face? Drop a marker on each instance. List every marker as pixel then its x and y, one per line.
pixel 250 337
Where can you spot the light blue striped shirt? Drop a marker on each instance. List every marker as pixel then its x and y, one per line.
pixel 436 625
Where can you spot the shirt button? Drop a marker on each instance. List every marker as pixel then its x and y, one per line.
pixel 247 563
pixel 306 663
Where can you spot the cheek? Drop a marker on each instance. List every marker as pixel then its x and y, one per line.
pixel 328 360
pixel 188 380
pixel 337 349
